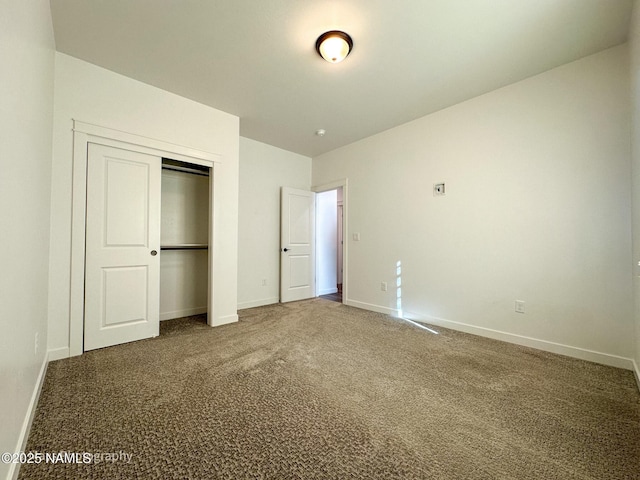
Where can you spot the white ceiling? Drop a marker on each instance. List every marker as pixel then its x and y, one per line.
pixel 256 58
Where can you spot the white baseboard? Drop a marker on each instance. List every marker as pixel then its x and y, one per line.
pixel 545 345
pixel 216 322
pixel 374 308
pixel 187 312
pixel 58 353
pixel 258 303
pixel 327 291
pixel 636 370
pixel 14 468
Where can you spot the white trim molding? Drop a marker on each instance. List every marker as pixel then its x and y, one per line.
pixel 344 183
pixel 14 468
pixel 188 154
pixel 216 322
pixel 58 353
pixel 545 345
pixel 373 308
pixel 327 291
pixel 85 133
pixel 258 303
pixel 636 371
pixel 187 312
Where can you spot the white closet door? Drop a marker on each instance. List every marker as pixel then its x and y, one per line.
pixel 122 278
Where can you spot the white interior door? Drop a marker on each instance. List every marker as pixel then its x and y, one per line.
pixel 297 249
pixel 122 268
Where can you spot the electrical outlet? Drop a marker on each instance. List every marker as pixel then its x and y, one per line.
pixel 519 306
pixel 264 282
pixel 36 343
pixel 383 286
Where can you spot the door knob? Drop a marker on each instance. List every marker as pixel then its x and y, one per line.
pixel 286 249
pixel 154 253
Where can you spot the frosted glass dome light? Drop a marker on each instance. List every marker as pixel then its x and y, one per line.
pixel 334 46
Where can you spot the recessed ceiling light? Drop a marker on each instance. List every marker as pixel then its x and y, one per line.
pixel 321 132
pixel 334 46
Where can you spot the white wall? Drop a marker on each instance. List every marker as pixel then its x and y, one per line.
pixel 537 208
pixel 263 170
pixel 634 41
pixel 94 95
pixel 26 109
pixel 326 242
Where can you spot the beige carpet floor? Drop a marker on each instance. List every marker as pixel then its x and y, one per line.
pixel 319 390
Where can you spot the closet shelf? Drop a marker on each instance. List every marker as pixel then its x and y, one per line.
pixel 185 246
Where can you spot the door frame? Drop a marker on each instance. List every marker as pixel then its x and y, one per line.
pixel 344 183
pixel 83 134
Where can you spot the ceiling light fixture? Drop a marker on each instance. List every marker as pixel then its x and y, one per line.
pixel 334 46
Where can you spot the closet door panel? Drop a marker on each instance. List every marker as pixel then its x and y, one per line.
pixel 122 278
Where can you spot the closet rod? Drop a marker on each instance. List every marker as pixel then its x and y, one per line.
pixel 185 170
pixel 177 165
pixel 185 246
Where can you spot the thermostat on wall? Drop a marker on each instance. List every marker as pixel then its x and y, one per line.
pixel 438 189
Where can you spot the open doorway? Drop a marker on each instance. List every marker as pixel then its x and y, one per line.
pixel 330 244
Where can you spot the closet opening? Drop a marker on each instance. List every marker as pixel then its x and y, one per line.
pixel 184 240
